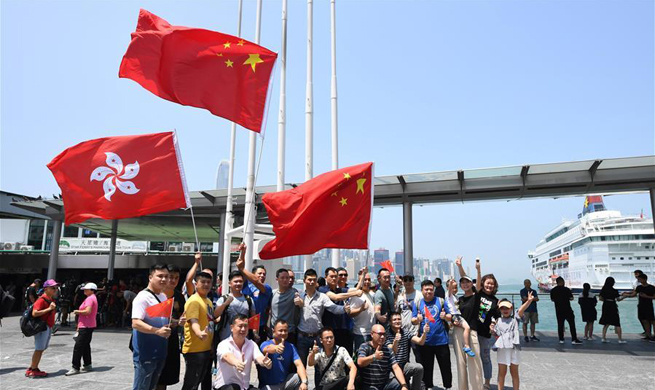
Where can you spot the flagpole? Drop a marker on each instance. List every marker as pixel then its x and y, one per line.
pixel 249 215
pixel 282 117
pixel 309 110
pixel 229 217
pixel 333 106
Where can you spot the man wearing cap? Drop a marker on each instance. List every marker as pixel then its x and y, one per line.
pixel 45 309
pixel 86 323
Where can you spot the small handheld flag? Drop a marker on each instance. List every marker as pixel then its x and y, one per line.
pixel 253 322
pixel 429 316
pixel 163 309
pixel 387 264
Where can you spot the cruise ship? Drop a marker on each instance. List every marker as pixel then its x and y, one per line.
pixel 599 244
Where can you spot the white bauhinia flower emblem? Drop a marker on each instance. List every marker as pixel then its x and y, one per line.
pixel 115 176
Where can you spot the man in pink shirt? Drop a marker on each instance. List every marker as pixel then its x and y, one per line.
pixel 235 357
pixel 86 323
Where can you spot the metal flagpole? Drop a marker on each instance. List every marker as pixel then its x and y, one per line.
pixel 282 117
pixel 229 217
pixel 309 109
pixel 333 106
pixel 249 215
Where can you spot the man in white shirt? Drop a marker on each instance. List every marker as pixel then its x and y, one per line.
pixel 235 357
pixel 363 313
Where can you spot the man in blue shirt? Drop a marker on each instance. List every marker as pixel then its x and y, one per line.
pixel 283 354
pixel 255 286
pixel 433 312
pixel 530 315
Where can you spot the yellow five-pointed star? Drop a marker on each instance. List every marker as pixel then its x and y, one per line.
pixel 227 45
pixel 241 42
pixel 229 63
pixel 360 185
pixel 219 54
pixel 253 60
pixel 343 201
pixel 334 193
pixel 346 176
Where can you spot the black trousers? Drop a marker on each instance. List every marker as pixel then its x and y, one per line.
pixel 442 353
pixel 344 338
pixel 197 365
pixel 565 315
pixel 82 348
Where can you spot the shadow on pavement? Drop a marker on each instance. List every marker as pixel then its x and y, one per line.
pixel 9 370
pixel 635 346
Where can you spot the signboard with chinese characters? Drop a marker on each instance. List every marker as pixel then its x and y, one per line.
pixel 100 245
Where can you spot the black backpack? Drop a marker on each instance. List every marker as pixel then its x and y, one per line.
pixel 31 325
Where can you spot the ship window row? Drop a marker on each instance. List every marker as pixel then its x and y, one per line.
pixel 625 237
pixel 555 253
pixel 557 234
pixel 630 258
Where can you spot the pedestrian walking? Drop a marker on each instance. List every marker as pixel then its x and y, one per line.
pixel 86 324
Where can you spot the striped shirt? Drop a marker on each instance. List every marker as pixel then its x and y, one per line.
pixel 402 356
pixel 377 373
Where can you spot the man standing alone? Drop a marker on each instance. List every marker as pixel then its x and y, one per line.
pixel 531 314
pixel 86 323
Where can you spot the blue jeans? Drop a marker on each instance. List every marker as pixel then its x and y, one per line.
pixel 485 356
pixel 146 373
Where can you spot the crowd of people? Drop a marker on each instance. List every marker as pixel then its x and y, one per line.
pixel 358 337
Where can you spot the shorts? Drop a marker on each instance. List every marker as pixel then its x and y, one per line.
pixel 531 317
pixel 508 356
pixel 42 339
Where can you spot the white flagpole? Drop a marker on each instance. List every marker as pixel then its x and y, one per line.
pixel 309 109
pixel 282 117
pixel 249 215
pixel 333 106
pixel 229 217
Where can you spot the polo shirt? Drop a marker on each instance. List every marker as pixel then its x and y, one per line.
pixel 377 373
pixel 281 366
pixel 402 356
pixel 533 306
pixel 335 321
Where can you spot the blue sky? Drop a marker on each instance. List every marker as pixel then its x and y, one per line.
pixel 423 86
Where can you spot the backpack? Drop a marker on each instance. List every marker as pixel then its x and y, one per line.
pixel 31 325
pixel 223 321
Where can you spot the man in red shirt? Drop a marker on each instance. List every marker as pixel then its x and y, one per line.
pixel 44 309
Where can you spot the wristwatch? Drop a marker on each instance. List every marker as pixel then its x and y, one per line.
pixel 304 381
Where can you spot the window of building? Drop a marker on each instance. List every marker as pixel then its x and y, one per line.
pixel 88 233
pixel 70 231
pixel 35 234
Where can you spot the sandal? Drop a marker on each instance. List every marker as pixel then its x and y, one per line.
pixel 468 351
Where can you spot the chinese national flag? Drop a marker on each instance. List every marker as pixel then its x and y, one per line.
pixel 387 264
pixel 222 73
pixel 253 322
pixel 332 210
pixel 428 315
pixel 163 309
pixel 120 177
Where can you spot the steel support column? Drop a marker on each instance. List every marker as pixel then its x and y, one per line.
pixel 112 250
pixel 408 246
pixel 221 245
pixel 54 249
pixel 652 204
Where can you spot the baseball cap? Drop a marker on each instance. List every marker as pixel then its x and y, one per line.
pixel 465 278
pixel 50 283
pixel 505 303
pixel 90 286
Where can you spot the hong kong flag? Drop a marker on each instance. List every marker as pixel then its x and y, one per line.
pixel 121 177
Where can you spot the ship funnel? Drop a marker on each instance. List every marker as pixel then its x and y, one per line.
pixel 593 204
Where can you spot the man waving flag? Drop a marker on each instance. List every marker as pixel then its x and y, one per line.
pixel 224 74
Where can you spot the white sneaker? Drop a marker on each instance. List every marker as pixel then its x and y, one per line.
pixel 622 342
pixel 606 341
pixel 72 371
pixel 561 341
pixel 88 368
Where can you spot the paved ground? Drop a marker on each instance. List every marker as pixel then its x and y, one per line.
pixel 545 365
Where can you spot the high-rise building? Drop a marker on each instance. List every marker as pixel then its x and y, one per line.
pixel 380 255
pixel 399 263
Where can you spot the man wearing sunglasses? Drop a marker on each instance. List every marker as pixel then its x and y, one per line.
pixel 376 361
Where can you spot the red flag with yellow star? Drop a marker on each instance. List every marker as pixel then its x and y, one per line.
pixel 332 210
pixel 222 73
